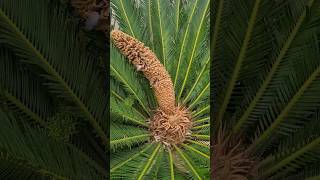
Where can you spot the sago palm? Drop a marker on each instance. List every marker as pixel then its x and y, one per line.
pixel 53 94
pixel 160 89
pixel 266 89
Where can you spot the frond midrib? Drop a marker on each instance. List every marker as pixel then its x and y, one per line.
pixel 200 95
pixel 196 82
pixel 171 165
pixel 161 34
pixel 125 139
pixel 10 97
pixel 150 23
pixel 201 126
pixel 127 19
pixel 239 61
pixel 201 136
pixel 202 120
pixel 196 113
pixel 292 157
pixel 216 28
pixel 177 16
pixel 197 143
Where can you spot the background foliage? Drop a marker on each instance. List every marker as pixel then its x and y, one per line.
pixel 53 108
pixel 266 69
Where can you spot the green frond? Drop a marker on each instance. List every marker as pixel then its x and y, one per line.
pixel 309 172
pixel 29 151
pixel 127 15
pixel 183 43
pixel 200 127
pixel 127 112
pixel 240 59
pixel 204 93
pixel 196 151
pixel 298 97
pixel 199 77
pixel 188 162
pixel 137 165
pixel 202 120
pixel 200 156
pixel 266 88
pixel 204 144
pixel 150 162
pixel 123 135
pixel 21 92
pixel 119 94
pixel 297 151
pixel 119 159
pixel 199 35
pixel 161 24
pixel 11 165
pixel 200 111
pixel 201 136
pixel 273 70
pixel 171 165
pixel 299 158
pixel 217 14
pixel 56 52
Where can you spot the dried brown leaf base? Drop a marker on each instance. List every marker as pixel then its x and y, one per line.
pixel 230 160
pixel 95 12
pixel 171 129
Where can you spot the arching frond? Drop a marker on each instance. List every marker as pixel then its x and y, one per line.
pixel 26 154
pixel 56 53
pixel 123 135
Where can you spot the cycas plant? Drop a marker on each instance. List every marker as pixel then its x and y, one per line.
pixel 266 69
pixel 160 89
pixel 53 108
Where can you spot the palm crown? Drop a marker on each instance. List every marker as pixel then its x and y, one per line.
pixel 177 33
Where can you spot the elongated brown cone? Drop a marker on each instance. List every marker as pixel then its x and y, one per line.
pixel 147 62
pixel 169 124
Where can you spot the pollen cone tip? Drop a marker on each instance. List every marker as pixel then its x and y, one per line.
pixel 115 34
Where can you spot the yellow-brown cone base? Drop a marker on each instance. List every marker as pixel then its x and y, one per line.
pixel 171 129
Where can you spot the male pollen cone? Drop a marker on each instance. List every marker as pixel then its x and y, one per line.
pixel 147 62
